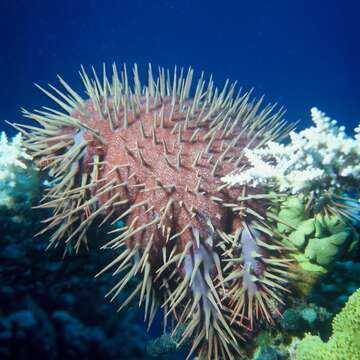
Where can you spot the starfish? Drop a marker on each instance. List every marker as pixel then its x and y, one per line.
pixel 153 156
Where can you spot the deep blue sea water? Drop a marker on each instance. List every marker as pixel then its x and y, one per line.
pixel 298 53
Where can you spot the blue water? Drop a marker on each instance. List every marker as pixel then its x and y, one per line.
pixel 298 53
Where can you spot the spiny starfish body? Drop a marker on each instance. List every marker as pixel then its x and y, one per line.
pixel 153 156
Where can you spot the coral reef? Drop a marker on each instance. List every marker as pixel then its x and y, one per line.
pixel 316 159
pixel 165 344
pixel 53 308
pixel 45 312
pixel 320 239
pixel 334 288
pixel 299 319
pixel 154 156
pixel 344 343
pixel 18 176
pixel 321 166
pixel 317 173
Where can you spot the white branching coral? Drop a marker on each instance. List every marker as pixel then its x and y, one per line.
pixel 11 153
pixel 16 178
pixel 316 159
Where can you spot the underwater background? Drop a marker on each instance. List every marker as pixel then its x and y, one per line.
pixel 299 54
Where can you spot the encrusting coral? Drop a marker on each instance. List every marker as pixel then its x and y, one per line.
pixel 154 156
pixel 344 344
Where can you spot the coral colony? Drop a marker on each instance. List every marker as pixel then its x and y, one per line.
pixel 317 159
pixel 17 187
pixel 185 168
pixel 345 340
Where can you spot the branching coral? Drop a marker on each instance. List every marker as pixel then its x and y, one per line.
pixel 154 156
pixel 321 161
pixel 12 154
pixel 18 178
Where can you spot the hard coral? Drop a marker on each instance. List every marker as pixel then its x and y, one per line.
pixel 344 344
pixel 19 180
pixel 320 238
pixel 154 156
pixel 321 162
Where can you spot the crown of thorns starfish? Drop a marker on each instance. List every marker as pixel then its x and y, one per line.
pixel 154 156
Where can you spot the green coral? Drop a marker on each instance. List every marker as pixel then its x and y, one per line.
pixel 320 238
pixel 344 344
pixel 292 213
